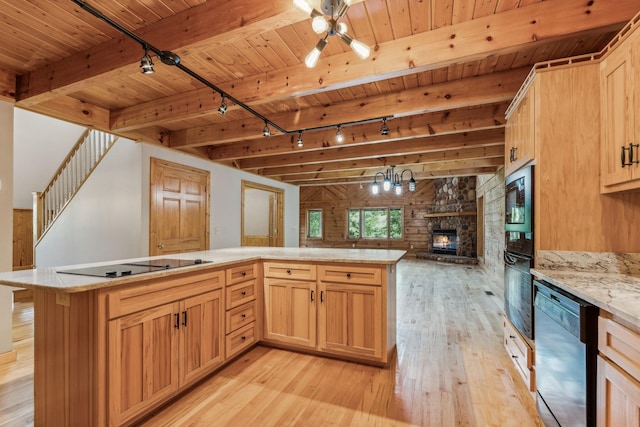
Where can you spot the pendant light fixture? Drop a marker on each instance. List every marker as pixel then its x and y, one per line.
pixel 392 179
pixel 334 10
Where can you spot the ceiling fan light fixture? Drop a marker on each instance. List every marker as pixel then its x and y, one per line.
pixel 312 58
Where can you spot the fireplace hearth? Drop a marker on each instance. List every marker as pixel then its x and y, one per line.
pixel 445 241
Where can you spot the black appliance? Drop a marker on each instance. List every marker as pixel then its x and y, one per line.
pixel 518 224
pixel 131 268
pixel 518 256
pixel 566 352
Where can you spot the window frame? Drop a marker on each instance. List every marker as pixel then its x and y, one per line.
pixel 308 216
pixel 388 225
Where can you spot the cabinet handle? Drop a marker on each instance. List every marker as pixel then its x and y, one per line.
pixel 511 154
pixel 512 337
pixel 514 356
pixel 623 157
pixel 244 273
pixel 348 275
pixel 288 271
pixel 321 296
pixel 313 296
pixel 177 324
pixel 243 338
pixel 184 319
pixel 631 156
pixel 244 316
pixel 243 293
pixel 515 151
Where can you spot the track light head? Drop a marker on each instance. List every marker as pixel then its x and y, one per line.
pixel 266 132
pixel 384 130
pixel 222 109
pixel 300 143
pixel 146 64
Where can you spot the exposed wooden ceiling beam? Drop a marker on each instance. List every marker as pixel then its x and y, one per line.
pixel 418 171
pixel 227 21
pixel 356 167
pixel 487 89
pixel 395 148
pixel 7 86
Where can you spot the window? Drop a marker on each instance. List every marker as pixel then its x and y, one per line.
pixel 374 223
pixel 314 223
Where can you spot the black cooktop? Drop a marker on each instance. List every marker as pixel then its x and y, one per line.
pixel 134 267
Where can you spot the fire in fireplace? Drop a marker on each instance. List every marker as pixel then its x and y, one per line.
pixel 445 242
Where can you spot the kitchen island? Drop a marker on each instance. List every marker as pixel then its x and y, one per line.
pixel 110 350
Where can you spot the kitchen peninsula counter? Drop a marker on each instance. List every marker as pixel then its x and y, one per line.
pixel 107 351
pixel 49 278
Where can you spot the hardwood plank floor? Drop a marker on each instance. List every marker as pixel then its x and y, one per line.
pixel 451 370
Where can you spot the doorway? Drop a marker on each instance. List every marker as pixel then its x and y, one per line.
pixel 179 208
pixel 262 221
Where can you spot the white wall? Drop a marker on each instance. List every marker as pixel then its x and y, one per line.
pixel 256 201
pixel 6 221
pixel 109 217
pixel 40 145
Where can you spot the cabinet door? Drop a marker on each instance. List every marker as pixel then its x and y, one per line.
pixel 349 319
pixel 290 311
pixel 617 115
pixel 142 363
pixel 520 133
pixel 202 326
pixel 618 397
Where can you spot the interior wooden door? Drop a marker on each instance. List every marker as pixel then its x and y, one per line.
pixel 179 210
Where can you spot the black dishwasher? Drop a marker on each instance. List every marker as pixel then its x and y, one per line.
pixel 566 350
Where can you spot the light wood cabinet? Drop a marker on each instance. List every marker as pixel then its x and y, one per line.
pixel 521 353
pixel 618 388
pixel 154 352
pixel 242 312
pixel 350 321
pixel 520 133
pixel 620 116
pixel 290 311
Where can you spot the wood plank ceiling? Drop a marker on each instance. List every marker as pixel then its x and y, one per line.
pixel 443 71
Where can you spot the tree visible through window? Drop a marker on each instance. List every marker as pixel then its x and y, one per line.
pixel 374 223
pixel 314 223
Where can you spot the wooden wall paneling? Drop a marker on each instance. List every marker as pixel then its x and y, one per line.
pixel 570 212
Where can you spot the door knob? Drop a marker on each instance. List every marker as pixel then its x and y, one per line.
pixel 160 246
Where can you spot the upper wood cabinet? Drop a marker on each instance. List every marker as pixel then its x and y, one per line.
pixel 520 133
pixel 620 130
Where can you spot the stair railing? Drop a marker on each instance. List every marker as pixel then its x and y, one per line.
pixel 74 170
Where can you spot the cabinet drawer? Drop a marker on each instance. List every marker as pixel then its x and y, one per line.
pixel 350 274
pixel 620 345
pixel 240 339
pixel 242 273
pixel 241 316
pixel 521 354
pixel 290 271
pixel 241 293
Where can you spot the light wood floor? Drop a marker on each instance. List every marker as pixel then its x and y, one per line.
pixel 451 370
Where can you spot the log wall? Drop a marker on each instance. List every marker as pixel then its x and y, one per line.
pixel 437 203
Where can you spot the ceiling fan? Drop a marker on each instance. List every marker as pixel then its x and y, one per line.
pixel 334 10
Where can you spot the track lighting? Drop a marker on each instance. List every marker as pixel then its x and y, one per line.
pixel 300 143
pixel 384 130
pixel 266 132
pixel 222 109
pixel 339 135
pixel 392 179
pixel 334 10
pixel 146 63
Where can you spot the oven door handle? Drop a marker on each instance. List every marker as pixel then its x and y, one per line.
pixel 509 259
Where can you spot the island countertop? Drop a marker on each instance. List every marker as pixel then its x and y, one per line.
pixel 49 278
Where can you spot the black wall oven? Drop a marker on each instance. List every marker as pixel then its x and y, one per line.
pixel 519 253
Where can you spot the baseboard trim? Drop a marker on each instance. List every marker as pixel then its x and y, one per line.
pixel 8 357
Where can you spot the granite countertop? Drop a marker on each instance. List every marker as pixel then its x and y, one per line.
pixel 49 278
pixel 609 281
